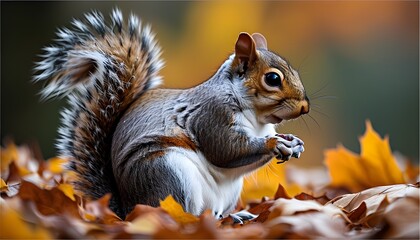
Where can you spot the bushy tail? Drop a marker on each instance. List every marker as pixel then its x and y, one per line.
pixel 102 69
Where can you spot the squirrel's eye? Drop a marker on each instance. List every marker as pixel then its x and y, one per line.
pixel 272 79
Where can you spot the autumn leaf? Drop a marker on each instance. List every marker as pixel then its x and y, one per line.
pixel 13 226
pixel 305 219
pixel 375 166
pixel 3 185
pixel 47 206
pixel 48 202
pixel 68 190
pixel 378 206
pixel 265 182
pixel 56 165
pixel 98 211
pixel 176 211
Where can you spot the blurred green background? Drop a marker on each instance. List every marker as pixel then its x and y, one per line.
pixel 358 60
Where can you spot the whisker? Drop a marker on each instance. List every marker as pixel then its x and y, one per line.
pixel 273 171
pixel 320 89
pixel 324 97
pixel 314 120
pixel 306 124
pixel 303 61
pixel 323 114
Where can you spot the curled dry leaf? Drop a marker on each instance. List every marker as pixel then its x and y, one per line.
pixel 305 219
pixel 99 212
pixel 383 205
pixel 48 202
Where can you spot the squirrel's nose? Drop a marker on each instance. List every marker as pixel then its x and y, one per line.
pixel 304 109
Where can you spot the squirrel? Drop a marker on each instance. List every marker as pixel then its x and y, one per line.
pixel 126 136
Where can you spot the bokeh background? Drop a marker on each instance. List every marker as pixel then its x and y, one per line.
pixel 358 60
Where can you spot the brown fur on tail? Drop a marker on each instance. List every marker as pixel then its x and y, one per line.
pixel 102 69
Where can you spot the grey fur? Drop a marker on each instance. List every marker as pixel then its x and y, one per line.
pixel 142 144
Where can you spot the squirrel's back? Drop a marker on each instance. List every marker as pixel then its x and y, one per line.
pixel 102 68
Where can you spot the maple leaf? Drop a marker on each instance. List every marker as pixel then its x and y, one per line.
pixel 375 166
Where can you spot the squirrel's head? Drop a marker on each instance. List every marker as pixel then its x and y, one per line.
pixel 275 88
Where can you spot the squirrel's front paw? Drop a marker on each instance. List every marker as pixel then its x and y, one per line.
pixel 288 146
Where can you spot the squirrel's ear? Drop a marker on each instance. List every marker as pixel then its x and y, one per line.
pixel 245 48
pixel 260 41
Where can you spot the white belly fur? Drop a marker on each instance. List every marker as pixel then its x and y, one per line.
pixel 249 123
pixel 208 188
pixel 211 187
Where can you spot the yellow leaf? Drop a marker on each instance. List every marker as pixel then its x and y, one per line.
pixel 265 182
pixel 346 169
pixel 374 167
pixel 68 190
pixel 14 227
pixel 3 185
pixel 56 165
pixel 380 156
pixel 176 211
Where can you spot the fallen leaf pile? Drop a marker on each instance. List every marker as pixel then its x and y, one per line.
pixel 370 195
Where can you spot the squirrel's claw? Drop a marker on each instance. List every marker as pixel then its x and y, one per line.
pixel 242 216
pixel 288 146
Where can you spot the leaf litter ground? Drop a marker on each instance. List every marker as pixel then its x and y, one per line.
pixel 365 196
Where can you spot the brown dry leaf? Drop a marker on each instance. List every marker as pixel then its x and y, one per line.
pixel 48 202
pixel 176 211
pixel 374 167
pixel 139 210
pixel 375 200
pixel 99 212
pixel 375 195
pixel 147 220
pixel 204 228
pixel 305 219
pixel 248 231
pixel 402 219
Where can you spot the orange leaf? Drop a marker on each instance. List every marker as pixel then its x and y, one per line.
pixel 346 169
pixel 56 165
pixel 48 202
pixel 68 190
pixel 98 211
pixel 13 226
pixel 374 167
pixel 265 182
pixel 3 185
pixel 176 211
pixel 378 153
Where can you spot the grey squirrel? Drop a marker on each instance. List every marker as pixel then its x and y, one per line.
pixel 125 136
